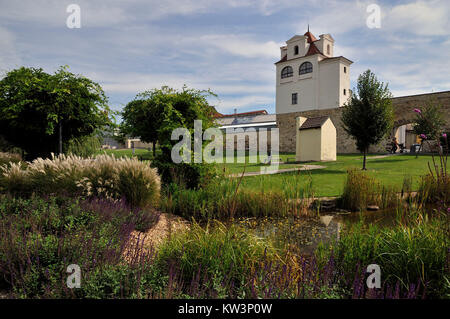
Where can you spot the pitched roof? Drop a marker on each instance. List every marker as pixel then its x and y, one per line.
pixel 283 59
pixel 314 122
pixel 313 50
pixel 310 36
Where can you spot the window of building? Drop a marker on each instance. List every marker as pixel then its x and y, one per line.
pixel 306 67
pixel 296 50
pixel 345 92
pixel 328 49
pixel 345 69
pixel 294 98
pixel 287 72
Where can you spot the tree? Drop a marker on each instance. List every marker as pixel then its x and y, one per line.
pixel 40 112
pixel 368 115
pixel 154 114
pixel 429 122
pixel 142 119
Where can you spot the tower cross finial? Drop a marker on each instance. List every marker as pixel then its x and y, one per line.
pixel 308 26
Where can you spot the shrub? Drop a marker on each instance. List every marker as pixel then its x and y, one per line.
pixel 187 175
pixel 102 176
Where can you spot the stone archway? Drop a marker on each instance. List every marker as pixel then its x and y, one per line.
pixel 405 134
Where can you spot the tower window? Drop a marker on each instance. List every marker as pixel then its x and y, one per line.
pixel 296 50
pixel 345 92
pixel 328 49
pixel 287 72
pixel 306 67
pixel 294 98
pixel 345 69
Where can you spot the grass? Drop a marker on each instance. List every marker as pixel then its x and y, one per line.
pixel 329 181
pixel 389 171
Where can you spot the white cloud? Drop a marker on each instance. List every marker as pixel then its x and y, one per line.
pixel 243 46
pixel 422 18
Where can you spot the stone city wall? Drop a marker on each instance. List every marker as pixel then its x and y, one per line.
pixel 404 114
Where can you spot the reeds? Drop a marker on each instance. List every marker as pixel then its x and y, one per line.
pixel 408 253
pixel 362 190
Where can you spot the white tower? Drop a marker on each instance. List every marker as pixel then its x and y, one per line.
pixel 309 77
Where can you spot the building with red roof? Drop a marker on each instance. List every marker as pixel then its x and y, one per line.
pixel 309 76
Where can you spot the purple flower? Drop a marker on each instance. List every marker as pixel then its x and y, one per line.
pixel 448 210
pixel 418 111
pixel 423 136
pixel 444 135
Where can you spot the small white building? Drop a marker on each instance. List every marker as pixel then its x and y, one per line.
pixel 309 76
pixel 316 139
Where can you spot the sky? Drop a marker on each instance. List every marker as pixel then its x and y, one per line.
pixel 229 46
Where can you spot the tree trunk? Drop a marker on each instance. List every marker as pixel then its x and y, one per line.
pixel 154 149
pixel 60 137
pixel 364 160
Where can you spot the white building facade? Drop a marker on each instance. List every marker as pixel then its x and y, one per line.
pixel 309 77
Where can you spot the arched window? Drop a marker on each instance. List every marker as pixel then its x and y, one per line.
pixel 328 49
pixel 306 67
pixel 296 50
pixel 287 72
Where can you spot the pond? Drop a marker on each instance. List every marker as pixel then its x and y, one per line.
pixel 305 233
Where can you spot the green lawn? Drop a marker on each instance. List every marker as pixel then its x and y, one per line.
pixel 330 180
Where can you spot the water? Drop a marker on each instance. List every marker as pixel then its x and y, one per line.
pixel 305 233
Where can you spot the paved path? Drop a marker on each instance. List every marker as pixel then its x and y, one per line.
pixel 284 170
pixel 383 156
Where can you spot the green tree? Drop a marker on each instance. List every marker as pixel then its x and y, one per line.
pixel 429 122
pixel 142 119
pixel 368 115
pixel 84 146
pixel 154 114
pixel 40 112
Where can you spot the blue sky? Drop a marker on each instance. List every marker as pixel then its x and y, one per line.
pixel 227 46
